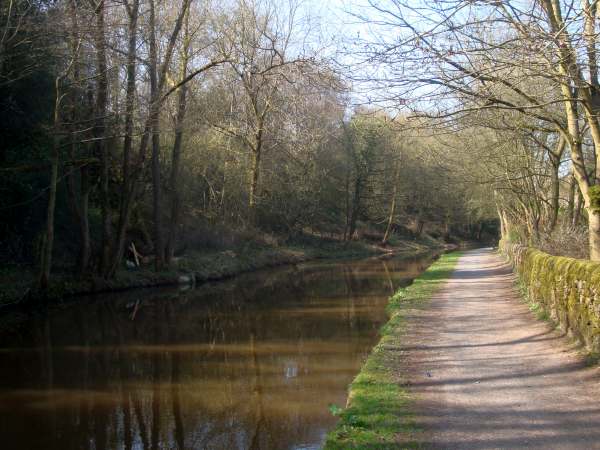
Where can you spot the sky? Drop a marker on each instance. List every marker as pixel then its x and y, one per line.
pixel 337 24
pixel 335 16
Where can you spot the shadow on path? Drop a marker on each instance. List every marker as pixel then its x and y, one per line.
pixel 488 375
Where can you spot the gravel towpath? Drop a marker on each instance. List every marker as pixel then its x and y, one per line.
pixel 487 374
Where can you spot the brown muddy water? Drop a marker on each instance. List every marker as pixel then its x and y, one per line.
pixel 251 363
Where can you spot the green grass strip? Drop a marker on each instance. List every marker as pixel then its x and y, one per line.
pixel 377 415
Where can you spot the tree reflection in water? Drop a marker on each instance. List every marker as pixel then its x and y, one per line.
pixel 252 363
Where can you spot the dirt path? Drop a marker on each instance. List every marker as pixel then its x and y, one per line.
pixel 488 375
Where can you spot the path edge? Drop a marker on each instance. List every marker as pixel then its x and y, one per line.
pixel 378 411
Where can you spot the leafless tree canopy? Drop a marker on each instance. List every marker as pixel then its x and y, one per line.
pixel 184 126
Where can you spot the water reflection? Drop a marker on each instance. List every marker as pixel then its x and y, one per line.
pixel 251 363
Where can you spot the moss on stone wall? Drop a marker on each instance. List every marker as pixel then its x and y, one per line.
pixel 594 194
pixel 568 288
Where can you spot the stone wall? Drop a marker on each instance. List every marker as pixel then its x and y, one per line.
pixel 567 288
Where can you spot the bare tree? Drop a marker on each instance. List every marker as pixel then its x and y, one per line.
pixel 535 59
pixel 57 129
pixel 150 131
pixel 256 39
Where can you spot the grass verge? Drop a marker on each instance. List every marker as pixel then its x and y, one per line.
pixel 378 415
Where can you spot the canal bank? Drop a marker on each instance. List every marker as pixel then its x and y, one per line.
pixel 378 413
pixel 194 268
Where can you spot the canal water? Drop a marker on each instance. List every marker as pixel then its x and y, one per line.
pixel 250 363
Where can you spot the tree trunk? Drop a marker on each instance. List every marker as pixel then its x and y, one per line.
pixel 571 200
pixel 124 217
pixel 49 237
pixel 503 226
pixel 176 156
pixel 80 208
pixel 128 185
pixel 507 223
pixel 347 204
pixel 554 204
pixel 355 209
pixel 99 133
pixel 46 257
pixel 579 170
pixel 159 248
pixel 253 194
pixel 479 231
pixel 388 228
pixel 85 252
pixel 594 233
pixel 554 201
pixel 533 222
pixel 133 12
pixel 578 209
pixel 79 204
